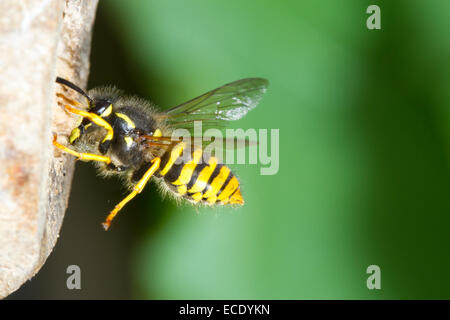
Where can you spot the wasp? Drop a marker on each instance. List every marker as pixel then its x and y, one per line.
pixel 128 137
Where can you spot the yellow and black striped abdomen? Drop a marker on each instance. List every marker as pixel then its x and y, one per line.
pixel 199 178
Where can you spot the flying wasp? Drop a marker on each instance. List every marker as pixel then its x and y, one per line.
pixel 129 137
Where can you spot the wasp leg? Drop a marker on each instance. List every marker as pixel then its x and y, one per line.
pixel 136 190
pixel 98 121
pixel 81 156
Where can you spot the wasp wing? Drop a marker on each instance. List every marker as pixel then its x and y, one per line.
pixel 219 106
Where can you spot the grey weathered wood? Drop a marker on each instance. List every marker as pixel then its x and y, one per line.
pixel 39 39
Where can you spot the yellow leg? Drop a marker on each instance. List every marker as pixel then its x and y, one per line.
pixel 95 119
pixel 81 156
pixel 136 190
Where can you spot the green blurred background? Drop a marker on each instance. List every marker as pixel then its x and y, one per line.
pixel 364 120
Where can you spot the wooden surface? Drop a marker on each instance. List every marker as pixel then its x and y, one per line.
pixel 39 39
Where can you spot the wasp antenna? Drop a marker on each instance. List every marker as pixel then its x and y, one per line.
pixel 73 86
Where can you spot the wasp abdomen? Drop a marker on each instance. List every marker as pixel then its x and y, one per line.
pixel 199 178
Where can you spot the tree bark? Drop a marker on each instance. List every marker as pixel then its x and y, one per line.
pixel 39 40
